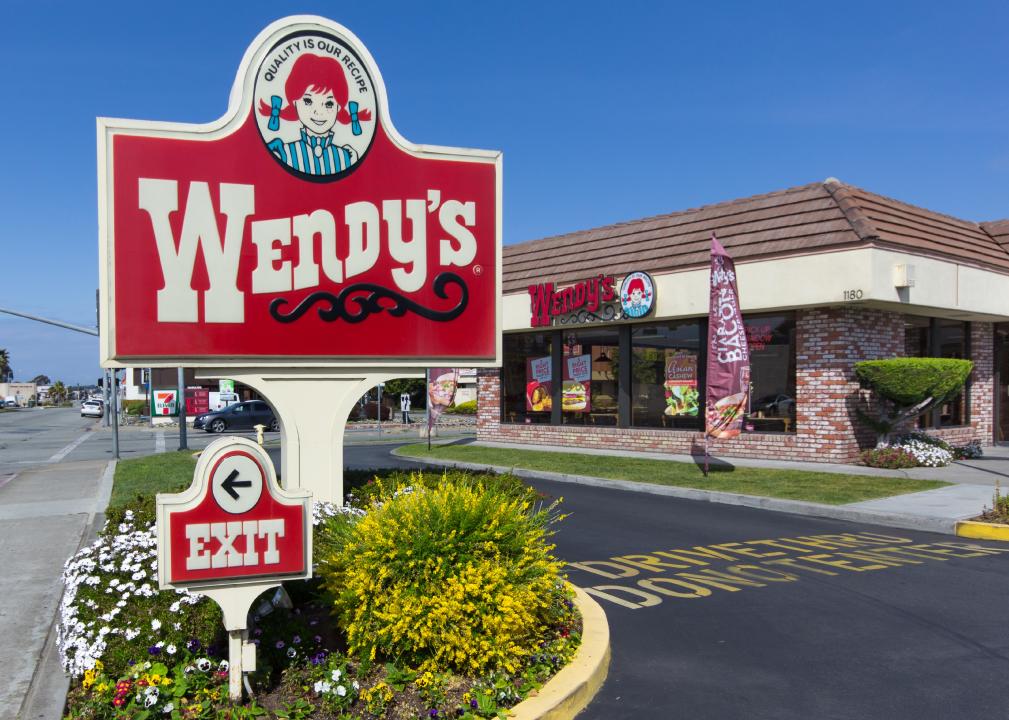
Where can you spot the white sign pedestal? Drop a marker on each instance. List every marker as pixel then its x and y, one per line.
pixel 313 405
pixel 235 603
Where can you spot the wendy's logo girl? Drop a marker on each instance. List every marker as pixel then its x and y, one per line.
pixel 637 294
pixel 314 128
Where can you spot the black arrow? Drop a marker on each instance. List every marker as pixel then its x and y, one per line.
pixel 230 483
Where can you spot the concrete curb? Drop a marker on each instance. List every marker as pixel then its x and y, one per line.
pixel 572 689
pixel 905 521
pixel 982 530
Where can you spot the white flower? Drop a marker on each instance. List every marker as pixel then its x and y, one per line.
pixel 224 666
pixel 155 624
pixel 322 686
pixel 341 690
pixel 168 708
pixel 203 664
pixel 131 633
pixel 336 675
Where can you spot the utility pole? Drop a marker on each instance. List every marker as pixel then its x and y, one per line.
pixel 182 410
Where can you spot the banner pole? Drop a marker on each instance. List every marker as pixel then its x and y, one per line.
pixel 705 454
pixel 427 404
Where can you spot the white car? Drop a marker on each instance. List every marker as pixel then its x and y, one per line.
pixel 92 408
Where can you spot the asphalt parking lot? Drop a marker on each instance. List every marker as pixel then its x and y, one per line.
pixel 726 612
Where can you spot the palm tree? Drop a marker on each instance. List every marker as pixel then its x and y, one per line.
pixel 6 371
pixel 57 392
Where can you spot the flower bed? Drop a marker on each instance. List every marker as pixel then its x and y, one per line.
pixel 433 597
pixel 919 449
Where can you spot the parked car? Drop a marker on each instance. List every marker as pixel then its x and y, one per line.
pixel 241 416
pixel 776 405
pixel 92 408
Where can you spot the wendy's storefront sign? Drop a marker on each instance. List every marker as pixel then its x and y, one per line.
pixel 301 225
pixel 592 300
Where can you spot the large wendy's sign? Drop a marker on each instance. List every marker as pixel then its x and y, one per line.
pixel 299 227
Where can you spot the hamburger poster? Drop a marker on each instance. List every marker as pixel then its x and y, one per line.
pixel 576 388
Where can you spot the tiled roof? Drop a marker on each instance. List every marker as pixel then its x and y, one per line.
pixel 999 230
pixel 814 218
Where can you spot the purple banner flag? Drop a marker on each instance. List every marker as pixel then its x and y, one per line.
pixel 441 386
pixel 728 369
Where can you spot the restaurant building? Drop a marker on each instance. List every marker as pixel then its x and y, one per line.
pixel 605 329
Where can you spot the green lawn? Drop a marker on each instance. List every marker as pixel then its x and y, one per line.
pixel 830 488
pixel 147 476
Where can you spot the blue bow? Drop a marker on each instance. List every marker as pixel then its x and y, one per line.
pixel 355 124
pixel 275 102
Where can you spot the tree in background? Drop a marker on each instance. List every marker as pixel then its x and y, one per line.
pixel 57 392
pixel 6 371
pixel 42 380
pixel 907 388
pixel 413 386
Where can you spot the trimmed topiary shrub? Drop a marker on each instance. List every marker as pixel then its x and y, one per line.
pixel 906 388
pixel 456 577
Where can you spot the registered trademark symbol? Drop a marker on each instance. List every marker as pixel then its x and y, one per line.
pixel 477 270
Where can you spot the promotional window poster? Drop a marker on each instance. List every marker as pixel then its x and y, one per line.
pixel 682 396
pixel 576 390
pixel 539 387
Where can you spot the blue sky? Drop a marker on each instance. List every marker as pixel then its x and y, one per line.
pixel 605 112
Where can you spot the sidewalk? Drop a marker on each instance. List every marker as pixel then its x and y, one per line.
pixel 46 514
pixel 931 510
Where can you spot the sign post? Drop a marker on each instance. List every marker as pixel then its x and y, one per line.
pixel 232 535
pixel 308 251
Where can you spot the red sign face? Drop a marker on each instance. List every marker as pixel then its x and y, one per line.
pixel 234 524
pixel 301 225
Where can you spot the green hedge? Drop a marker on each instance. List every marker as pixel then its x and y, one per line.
pixel 134 407
pixel 466 408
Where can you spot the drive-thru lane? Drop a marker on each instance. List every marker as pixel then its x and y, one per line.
pixel 725 612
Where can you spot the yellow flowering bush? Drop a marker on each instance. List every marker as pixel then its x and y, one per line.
pixel 455 577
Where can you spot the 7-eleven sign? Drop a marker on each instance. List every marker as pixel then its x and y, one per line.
pixel 165 402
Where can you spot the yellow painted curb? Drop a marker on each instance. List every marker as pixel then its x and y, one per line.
pixel 572 689
pixel 982 530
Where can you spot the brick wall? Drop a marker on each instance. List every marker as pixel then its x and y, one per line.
pixel 982 386
pixel 829 341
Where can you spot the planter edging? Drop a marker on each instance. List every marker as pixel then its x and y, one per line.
pixel 977 530
pixel 571 690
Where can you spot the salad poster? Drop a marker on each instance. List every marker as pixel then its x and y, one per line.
pixel 682 395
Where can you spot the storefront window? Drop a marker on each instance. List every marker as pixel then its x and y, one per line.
pixel 936 337
pixel 665 380
pixel 590 368
pixel 771 339
pixel 951 343
pixel 526 382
